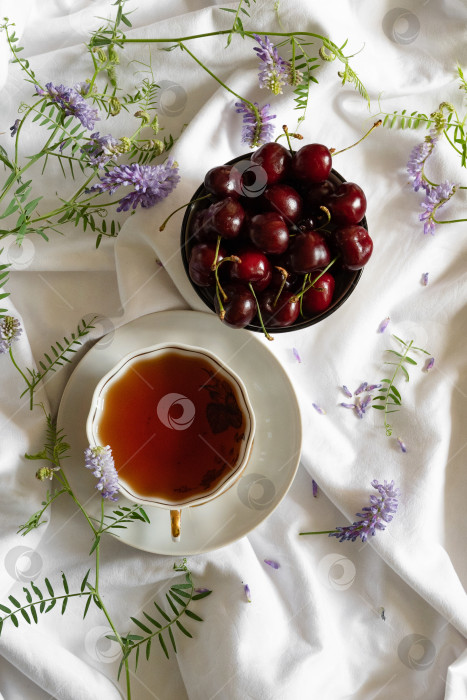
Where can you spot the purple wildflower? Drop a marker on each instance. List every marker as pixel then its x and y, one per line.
pixel 347 405
pixel 272 564
pixel 373 517
pixel 82 88
pixel 318 409
pixel 152 183
pixel 425 279
pixel 361 388
pixel 256 127
pixel 402 445
pixel 417 160
pixel 100 149
pixel 361 406
pixel 15 127
pixel 275 72
pixel 429 364
pixel 247 591
pixel 383 325
pixel 100 461
pixel 435 198
pixel 347 391
pixel 314 487
pixel 296 354
pixel 202 590
pixel 71 102
pixel 10 331
pixel 372 387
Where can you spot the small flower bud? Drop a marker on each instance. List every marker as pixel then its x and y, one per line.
pixel 44 473
pixel 102 56
pixel 154 145
pixel 114 106
pixel 143 115
pixel 113 55
pixel 124 145
pixel 155 124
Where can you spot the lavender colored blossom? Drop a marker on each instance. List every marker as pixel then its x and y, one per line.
pixel 383 325
pixel 152 183
pixel 272 564
pixel 247 591
pixel 347 391
pixel 347 405
pixel 417 160
pixel 373 517
pixel 361 406
pixel 10 331
pixel 361 388
pixel 15 127
pixel 314 487
pixel 296 354
pixel 82 87
pixel 372 387
pixel 256 129
pixel 318 409
pixel 425 278
pixel 71 102
pixel 202 590
pixel 100 461
pixel 401 444
pixel 429 364
pixel 100 149
pixel 435 198
pixel 274 71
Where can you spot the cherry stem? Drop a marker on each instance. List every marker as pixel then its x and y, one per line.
pixel 375 125
pixel 214 264
pixel 258 311
pixel 298 296
pixel 328 214
pixel 192 201
pixel 286 132
pixel 284 274
pixel 230 258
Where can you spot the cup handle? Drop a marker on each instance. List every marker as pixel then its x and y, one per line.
pixel 175 517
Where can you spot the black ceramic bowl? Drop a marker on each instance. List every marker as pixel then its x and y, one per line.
pixel 346 280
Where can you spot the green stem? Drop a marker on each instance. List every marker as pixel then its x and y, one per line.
pixel 28 383
pixel 321 532
pixel 390 385
pixel 300 294
pixel 450 221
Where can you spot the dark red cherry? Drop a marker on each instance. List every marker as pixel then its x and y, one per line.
pixel 319 297
pixel 277 279
pixel 312 163
pixel 309 251
pixel 200 229
pixel 355 246
pixel 240 306
pixel 254 267
pixel 223 181
pixel 281 314
pixel 275 160
pixel 226 217
pixel 201 258
pixel 317 195
pixel 269 233
pixel 348 204
pixel 285 200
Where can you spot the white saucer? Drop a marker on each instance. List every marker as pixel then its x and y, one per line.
pixel 274 456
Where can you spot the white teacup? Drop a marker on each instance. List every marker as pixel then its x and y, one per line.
pixel 180 425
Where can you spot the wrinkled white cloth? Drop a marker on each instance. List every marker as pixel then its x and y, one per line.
pixel 386 619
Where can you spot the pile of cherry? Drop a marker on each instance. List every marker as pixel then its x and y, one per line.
pixel 274 234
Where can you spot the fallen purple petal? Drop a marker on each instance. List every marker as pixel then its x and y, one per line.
pixel 425 278
pixel 347 391
pixel 318 409
pixel 429 364
pixel 272 564
pixel 314 486
pixel 402 445
pixel 347 405
pixel 296 355
pixel 383 325
pixel 372 387
pixel 246 588
pixel 202 590
pixel 361 388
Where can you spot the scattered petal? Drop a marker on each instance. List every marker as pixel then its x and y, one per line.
pixel 246 588
pixel 272 564
pixel 361 388
pixel 314 486
pixel 347 405
pixel 296 355
pixel 318 409
pixel 402 445
pixel 347 391
pixel 383 325
pixel 425 279
pixel 429 364
pixel 202 590
pixel 372 387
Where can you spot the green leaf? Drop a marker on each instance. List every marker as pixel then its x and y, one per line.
pixel 5 609
pixel 26 616
pixel 162 612
pixel 14 601
pixel 176 598
pixel 172 639
pixel 86 607
pixel 394 353
pixel 170 602
pixel 14 620
pixel 163 645
pixel 409 360
pixel 141 625
pixel 36 590
pixel 49 586
pixel 152 620
pixel 396 392
pixel 148 649
pixel 198 596
pixel 64 604
pixel 51 605
pixel 378 408
pixel 193 615
pixel 183 629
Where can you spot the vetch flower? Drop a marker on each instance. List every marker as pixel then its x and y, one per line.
pixel 361 406
pixel 347 391
pixel 383 325
pixel 257 128
pixel 10 331
pixel 100 149
pixel 100 461
pixel 272 564
pixel 373 517
pixel 435 198
pixel 425 278
pixel 347 405
pixel 417 160
pixel 15 127
pixel 46 473
pixel 71 102
pixel 372 387
pixel 314 487
pixel 318 409
pixel 151 183
pixel 402 445
pixel 274 71
pixel 361 388
pixel 246 589
pixel 429 364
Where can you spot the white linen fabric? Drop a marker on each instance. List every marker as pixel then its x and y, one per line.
pixel 384 619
